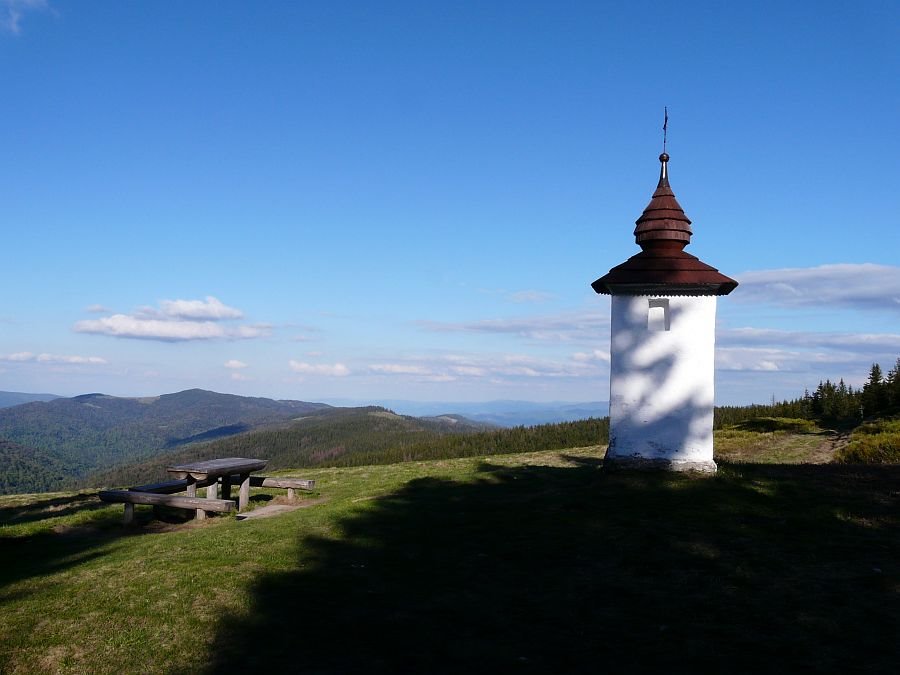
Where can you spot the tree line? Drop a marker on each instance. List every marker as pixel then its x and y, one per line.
pixel 833 404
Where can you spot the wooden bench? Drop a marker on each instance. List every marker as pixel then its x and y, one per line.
pixel 168 487
pixel 290 484
pixel 199 504
pixel 282 482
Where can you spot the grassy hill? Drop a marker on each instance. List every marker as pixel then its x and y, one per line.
pixel 534 563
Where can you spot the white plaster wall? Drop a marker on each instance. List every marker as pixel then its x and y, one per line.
pixel 662 381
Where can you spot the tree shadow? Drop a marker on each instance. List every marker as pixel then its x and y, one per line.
pixel 48 551
pixel 546 569
pixel 54 506
pixel 40 555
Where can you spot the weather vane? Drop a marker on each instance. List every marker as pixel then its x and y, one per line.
pixel 665 126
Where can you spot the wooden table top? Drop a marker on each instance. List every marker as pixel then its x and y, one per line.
pixel 213 468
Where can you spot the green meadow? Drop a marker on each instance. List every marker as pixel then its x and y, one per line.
pixel 537 562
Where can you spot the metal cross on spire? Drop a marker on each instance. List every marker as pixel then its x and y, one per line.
pixel 665 126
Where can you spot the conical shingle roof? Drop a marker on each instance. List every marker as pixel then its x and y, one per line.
pixel 662 267
pixel 663 219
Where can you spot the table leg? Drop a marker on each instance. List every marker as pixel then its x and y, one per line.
pixel 226 487
pixel 212 490
pixel 129 513
pixel 244 498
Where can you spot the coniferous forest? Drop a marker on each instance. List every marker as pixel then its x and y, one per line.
pixel 832 405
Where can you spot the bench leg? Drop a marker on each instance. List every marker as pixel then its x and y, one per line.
pixel 192 492
pixel 290 494
pixel 244 497
pixel 129 514
pixel 226 487
pixel 211 493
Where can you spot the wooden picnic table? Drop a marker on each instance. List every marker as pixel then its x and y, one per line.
pixel 209 474
pixel 216 471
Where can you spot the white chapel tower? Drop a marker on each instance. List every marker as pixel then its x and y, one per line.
pixel 662 344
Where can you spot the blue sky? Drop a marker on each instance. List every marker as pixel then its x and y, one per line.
pixel 409 200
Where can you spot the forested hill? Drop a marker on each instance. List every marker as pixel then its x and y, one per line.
pixel 90 432
pixel 24 469
pixel 360 436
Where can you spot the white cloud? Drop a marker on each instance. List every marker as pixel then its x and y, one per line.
pixel 235 364
pixel 399 369
pixel 755 359
pixel 595 355
pixel 813 355
pixel 97 309
pixel 808 340
pixel 176 321
pixel 12 11
pixel 440 378
pixel 481 368
pixel 239 377
pixel 123 325
pixel 854 286
pixel 211 309
pixel 249 332
pixel 469 371
pixel 59 358
pixel 571 327
pixel 29 357
pixel 330 370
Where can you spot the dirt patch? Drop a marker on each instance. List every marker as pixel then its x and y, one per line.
pixel 825 452
pixel 277 509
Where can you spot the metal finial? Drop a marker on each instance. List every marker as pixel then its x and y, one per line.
pixel 664 169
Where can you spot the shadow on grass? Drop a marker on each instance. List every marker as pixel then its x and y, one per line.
pixel 47 551
pixel 540 569
pixel 44 508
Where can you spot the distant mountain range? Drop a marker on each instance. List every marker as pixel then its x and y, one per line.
pixel 53 443
pixel 500 413
pixel 503 413
pixel 11 398
pixel 58 443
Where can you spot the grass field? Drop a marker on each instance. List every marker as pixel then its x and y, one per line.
pixel 817 446
pixel 530 563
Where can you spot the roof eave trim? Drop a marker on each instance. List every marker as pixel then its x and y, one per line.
pixel 663 289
